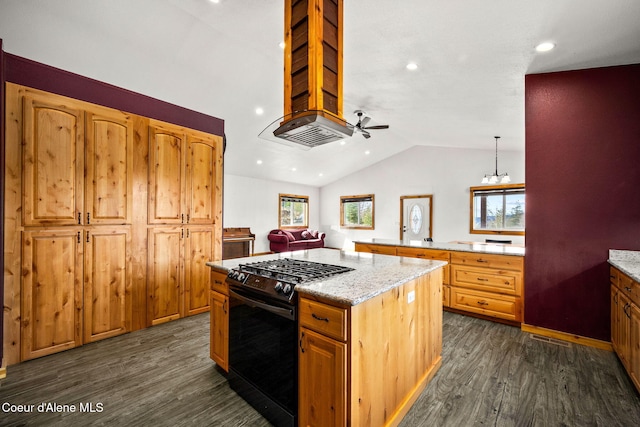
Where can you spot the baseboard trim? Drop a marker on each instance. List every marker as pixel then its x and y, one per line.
pixel 3 373
pixel 564 336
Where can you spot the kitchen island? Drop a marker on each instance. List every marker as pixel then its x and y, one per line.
pixel 482 279
pixel 369 340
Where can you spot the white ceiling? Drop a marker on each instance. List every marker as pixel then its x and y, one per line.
pixel 224 60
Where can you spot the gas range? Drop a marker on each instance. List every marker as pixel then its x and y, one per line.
pixel 277 278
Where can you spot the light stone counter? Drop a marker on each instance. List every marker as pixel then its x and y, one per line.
pixel 372 275
pixel 626 261
pixel 479 247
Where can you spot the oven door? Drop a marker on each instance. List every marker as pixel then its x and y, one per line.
pixel 263 366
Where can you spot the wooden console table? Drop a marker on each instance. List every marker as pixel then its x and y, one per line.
pixel 236 242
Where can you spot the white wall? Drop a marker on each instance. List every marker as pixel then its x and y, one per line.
pixel 250 202
pixel 446 173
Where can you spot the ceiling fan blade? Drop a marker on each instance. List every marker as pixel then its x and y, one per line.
pixel 377 127
pixel 364 121
pixel 366 134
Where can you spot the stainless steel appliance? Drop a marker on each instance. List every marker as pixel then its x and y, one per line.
pixel 263 357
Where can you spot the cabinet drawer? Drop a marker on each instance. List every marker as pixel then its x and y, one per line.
pixel 614 275
pixel 423 253
pixel 326 319
pixel 218 283
pixel 629 287
pixel 507 262
pixel 376 249
pixel 501 306
pixel 487 279
pixel 428 254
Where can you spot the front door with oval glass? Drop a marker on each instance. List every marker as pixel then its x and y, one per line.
pixel 416 217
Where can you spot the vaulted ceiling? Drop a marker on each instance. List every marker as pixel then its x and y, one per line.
pixel 223 58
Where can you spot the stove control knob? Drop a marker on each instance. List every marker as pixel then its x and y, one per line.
pixel 235 274
pixel 286 289
pixel 230 274
pixel 278 287
pixel 241 277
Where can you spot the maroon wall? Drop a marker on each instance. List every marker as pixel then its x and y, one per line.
pixel 583 192
pixel 2 101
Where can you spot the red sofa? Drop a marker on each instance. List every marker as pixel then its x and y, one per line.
pixel 295 240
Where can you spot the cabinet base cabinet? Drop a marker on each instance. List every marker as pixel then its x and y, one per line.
pixel 219 343
pixel 373 374
pixel 625 322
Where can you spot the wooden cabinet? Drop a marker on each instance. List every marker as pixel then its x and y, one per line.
pixel 219 319
pixel 625 322
pixel 91 222
pixel 487 284
pixel 183 176
pixel 352 360
pixel 51 291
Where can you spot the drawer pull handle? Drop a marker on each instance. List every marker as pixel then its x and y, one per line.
pixel 300 342
pixel 483 303
pixel 481 260
pixel 323 319
pixel 628 289
pixel 480 279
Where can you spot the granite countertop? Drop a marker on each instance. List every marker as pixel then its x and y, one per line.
pixel 626 261
pixel 485 248
pixel 372 275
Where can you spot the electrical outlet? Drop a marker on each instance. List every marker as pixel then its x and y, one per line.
pixel 411 297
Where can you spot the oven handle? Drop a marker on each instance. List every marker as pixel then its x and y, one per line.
pixel 282 312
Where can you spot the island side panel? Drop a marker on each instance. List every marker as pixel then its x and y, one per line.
pixel 396 348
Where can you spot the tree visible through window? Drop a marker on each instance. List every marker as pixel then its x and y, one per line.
pixel 293 211
pixel 357 212
pixel 498 209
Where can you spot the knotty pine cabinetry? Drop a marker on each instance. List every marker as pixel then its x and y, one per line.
pixel 77 221
pixel 352 368
pixel 625 322
pixel 219 319
pixel 181 182
pixel 485 284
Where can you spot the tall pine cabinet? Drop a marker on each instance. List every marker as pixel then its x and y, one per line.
pixel 110 218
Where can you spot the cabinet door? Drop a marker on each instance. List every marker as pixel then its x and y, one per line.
pixel 53 161
pixel 201 185
pixel 615 318
pixel 165 275
pixel 624 330
pixel 107 283
pixel 634 344
pixel 166 175
pixel 323 381
pixel 51 291
pixel 199 251
pixel 109 168
pixel 219 336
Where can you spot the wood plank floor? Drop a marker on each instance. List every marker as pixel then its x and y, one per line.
pixel 492 374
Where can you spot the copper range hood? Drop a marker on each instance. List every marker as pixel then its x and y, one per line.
pixel 313 74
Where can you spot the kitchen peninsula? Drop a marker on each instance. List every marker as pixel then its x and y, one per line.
pixel 367 340
pixel 485 280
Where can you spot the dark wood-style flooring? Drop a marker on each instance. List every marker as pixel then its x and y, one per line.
pixel 492 374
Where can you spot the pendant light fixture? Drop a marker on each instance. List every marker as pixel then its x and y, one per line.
pixel 493 179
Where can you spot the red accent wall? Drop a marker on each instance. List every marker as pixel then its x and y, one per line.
pixel 583 192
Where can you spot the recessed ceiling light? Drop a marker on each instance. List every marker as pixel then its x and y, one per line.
pixel 343 142
pixel 320 174
pixel 412 66
pixel 282 45
pixel 214 1
pixel 293 169
pixel 545 47
pixel 367 152
pixel 259 111
pixel 259 162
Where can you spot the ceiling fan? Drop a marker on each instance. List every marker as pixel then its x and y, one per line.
pixel 362 127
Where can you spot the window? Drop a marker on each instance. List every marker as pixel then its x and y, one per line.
pixel 357 212
pixel 498 209
pixel 293 211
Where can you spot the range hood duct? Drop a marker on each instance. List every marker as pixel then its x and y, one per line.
pixel 312 130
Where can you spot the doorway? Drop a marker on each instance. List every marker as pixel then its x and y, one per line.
pixel 416 213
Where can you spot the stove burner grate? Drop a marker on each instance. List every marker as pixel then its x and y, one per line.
pixel 293 270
